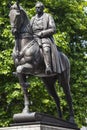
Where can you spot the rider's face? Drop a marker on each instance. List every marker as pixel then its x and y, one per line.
pixel 39 9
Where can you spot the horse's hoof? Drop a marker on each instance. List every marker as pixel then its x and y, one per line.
pixel 27 84
pixel 71 120
pixel 25 111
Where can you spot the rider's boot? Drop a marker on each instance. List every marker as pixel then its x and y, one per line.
pixel 48 70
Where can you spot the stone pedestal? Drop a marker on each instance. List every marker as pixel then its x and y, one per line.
pixel 38 121
pixel 36 127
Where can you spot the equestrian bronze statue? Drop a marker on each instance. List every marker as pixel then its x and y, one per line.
pixel 35 53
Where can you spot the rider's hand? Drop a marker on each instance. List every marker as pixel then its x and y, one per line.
pixel 40 34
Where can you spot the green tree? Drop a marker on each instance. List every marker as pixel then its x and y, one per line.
pixel 71 21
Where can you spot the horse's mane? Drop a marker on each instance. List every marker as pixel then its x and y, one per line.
pixel 26 19
pixel 25 16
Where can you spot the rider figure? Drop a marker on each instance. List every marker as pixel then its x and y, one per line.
pixel 43 27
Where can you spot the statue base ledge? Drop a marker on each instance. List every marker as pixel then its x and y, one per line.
pixel 36 118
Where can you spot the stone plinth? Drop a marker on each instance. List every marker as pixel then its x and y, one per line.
pixel 35 127
pixel 38 121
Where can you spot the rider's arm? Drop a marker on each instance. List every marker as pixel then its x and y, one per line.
pixel 51 28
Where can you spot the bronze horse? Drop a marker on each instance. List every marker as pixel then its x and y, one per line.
pixel 28 61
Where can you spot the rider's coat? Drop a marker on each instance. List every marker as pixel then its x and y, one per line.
pixel 46 25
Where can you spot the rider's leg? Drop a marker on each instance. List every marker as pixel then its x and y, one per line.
pixel 47 59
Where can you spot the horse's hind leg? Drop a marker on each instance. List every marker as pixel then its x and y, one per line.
pixel 65 78
pixel 49 83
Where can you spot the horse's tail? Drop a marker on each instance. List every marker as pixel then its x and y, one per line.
pixel 65 67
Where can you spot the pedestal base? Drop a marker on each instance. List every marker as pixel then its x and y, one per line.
pixel 36 118
pixel 39 121
pixel 36 127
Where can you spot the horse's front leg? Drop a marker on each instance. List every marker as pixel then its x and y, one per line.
pixel 24 85
pixel 22 80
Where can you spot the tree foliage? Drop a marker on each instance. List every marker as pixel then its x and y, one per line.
pixel 71 21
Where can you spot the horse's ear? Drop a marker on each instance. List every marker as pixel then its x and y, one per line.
pixel 18 1
pixel 18 4
pixel 9 5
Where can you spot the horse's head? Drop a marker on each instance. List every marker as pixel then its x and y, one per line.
pixel 16 18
